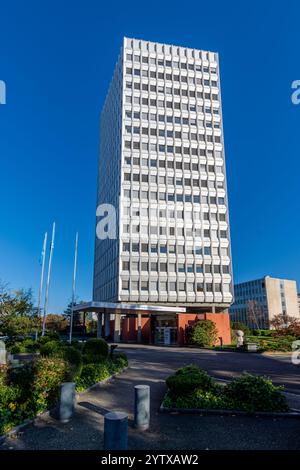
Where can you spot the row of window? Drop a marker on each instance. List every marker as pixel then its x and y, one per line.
pixel 136 58
pixel 170 119
pixel 171 197
pixel 173 248
pixel 178 214
pixel 172 268
pixel 177 105
pixel 168 77
pixel 169 90
pixel 178 181
pixel 169 133
pixel 173 286
pixel 177 149
pixel 173 231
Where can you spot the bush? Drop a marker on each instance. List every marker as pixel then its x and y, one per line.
pixel 203 333
pixel 11 413
pixel 238 325
pixel 253 393
pixel 49 373
pixel 91 374
pixel 17 348
pixel 49 336
pixel 249 393
pixel 50 348
pixel 120 359
pixel 187 379
pixel 74 357
pixel 30 389
pixel 96 347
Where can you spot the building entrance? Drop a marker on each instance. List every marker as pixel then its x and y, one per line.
pixel 165 331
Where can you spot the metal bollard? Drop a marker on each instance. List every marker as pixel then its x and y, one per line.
pixel 67 401
pixel 142 407
pixel 115 431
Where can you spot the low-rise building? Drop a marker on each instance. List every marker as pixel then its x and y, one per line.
pixel 257 302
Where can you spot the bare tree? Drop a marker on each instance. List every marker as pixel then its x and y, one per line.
pixel 255 313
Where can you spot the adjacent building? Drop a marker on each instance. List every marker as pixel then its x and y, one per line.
pixel 162 169
pixel 257 302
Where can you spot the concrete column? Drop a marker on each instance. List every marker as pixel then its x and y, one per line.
pixel 67 401
pixel 106 324
pixel 117 328
pixel 142 407
pixel 115 431
pixel 139 331
pixel 99 325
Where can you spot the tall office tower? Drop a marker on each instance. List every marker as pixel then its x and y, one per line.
pixel 162 167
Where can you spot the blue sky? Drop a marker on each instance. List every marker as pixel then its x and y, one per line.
pixel 57 59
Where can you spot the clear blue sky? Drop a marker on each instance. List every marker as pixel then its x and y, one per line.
pixel 57 59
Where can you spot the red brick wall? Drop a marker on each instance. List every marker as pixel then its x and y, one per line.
pixel 221 321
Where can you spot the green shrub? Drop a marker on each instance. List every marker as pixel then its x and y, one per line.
pixel 199 399
pixel 238 325
pixel 77 344
pixel 49 373
pixel 50 348
pixel 120 359
pixel 203 333
pixel 187 379
pixel 30 345
pixel 11 411
pixel 74 357
pixel 30 389
pixel 49 336
pixel 17 348
pixel 92 374
pixel 97 347
pixel 253 393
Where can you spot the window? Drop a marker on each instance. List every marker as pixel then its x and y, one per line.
pixel 125 285
pixel 144 285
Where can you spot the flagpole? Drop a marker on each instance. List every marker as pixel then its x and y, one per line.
pixel 48 278
pixel 42 279
pixel 74 287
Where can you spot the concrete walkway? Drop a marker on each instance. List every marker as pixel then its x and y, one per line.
pixel 151 366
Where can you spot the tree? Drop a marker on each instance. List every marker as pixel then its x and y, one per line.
pixel 56 322
pixel 285 325
pixel 255 314
pixel 17 314
pixel 203 333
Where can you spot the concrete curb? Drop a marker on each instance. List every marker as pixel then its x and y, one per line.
pixel 288 414
pixel 28 422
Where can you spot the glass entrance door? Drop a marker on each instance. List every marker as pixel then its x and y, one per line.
pixel 165 330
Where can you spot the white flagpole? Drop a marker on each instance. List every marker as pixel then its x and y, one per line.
pixel 48 278
pixel 74 287
pixel 42 279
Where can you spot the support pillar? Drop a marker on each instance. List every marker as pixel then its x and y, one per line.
pixel 99 325
pixel 139 330
pixel 117 328
pixel 106 324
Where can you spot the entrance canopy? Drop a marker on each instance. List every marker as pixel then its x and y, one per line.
pixel 123 308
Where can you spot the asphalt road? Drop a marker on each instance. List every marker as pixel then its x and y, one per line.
pixel 222 365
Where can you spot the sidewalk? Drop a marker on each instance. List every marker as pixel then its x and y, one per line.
pixel 85 431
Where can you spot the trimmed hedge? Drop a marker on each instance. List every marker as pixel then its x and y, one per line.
pixel 96 347
pixel 187 379
pixel 248 392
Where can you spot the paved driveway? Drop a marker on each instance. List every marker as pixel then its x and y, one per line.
pixel 151 365
pixel 223 365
